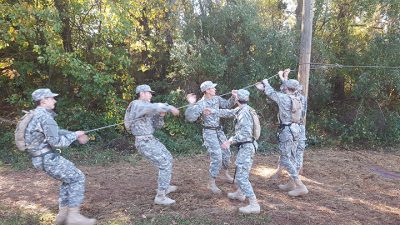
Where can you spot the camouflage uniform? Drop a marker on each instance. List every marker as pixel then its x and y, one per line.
pixel 42 135
pixel 243 138
pixel 213 135
pixel 147 119
pixel 302 136
pixel 289 132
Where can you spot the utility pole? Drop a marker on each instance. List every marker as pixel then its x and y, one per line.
pixel 305 45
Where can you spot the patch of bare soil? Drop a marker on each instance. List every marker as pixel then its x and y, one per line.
pixel 346 187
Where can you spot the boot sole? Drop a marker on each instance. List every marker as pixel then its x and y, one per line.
pixel 298 194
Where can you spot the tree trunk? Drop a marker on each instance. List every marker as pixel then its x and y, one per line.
pixel 66 34
pixel 305 45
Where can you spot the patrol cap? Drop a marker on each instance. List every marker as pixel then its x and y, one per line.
pixel 143 88
pixel 42 93
pixel 243 95
pixel 207 85
pixel 292 84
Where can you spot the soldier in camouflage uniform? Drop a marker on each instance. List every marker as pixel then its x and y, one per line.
pixel 43 136
pixel 145 118
pixel 247 145
pixel 288 134
pixel 298 158
pixel 213 134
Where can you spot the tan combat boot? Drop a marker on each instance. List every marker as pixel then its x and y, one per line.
pixel 213 187
pixel 162 199
pixel 287 187
pixel 62 215
pixel 171 188
pixel 75 218
pixel 253 207
pixel 227 177
pixel 300 189
pixel 237 195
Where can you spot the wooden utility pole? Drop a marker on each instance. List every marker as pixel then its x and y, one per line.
pixel 305 45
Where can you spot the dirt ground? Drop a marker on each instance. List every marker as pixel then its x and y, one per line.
pixel 346 187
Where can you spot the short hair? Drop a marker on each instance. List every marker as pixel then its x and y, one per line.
pixel 137 95
pixel 37 103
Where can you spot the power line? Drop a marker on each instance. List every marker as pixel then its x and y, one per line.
pixel 337 65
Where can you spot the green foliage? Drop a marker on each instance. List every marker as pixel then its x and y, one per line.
pixel 94 53
pixel 9 154
pixel 228 45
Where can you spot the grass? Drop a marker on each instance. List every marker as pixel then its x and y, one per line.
pixel 19 217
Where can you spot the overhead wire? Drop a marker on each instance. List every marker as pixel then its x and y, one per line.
pixel 314 66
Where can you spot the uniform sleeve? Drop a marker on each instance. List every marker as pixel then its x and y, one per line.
pixel 226 104
pixel 54 137
pixel 193 112
pixel 271 93
pixel 63 132
pixel 224 113
pixel 140 108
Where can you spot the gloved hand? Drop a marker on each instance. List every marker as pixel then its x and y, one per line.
pixel 265 82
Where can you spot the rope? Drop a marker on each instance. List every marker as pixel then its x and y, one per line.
pixel 113 125
pixel 247 87
pixel 336 65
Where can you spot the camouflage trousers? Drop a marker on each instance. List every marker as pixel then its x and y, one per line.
pixel 299 155
pixel 152 149
pixel 287 148
pixel 244 161
pixel 73 180
pixel 219 157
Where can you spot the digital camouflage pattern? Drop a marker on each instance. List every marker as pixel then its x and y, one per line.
pixel 43 132
pixel 213 138
pixel 146 119
pixel 289 132
pixel 42 93
pixel 243 133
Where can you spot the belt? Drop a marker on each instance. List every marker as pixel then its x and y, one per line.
pixel 244 142
pixel 138 137
pixel 42 152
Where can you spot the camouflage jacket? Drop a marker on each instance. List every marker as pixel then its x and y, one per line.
pixel 284 103
pixel 194 111
pixel 146 117
pixel 243 122
pixel 43 132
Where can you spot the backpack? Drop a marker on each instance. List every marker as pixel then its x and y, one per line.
pixel 19 134
pixel 256 124
pixel 297 108
pixel 127 120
